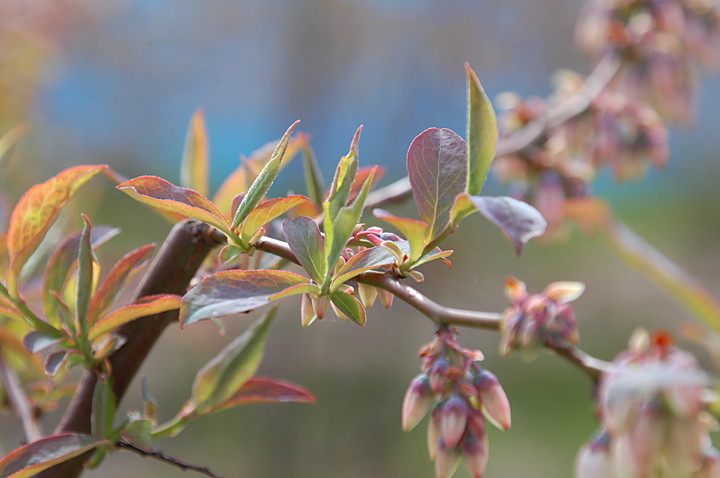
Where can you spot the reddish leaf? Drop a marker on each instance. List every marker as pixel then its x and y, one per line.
pixel 233 292
pixel 196 158
pixel 267 390
pixel 152 304
pixel 166 196
pixel 414 231
pixel 366 260
pixel 36 211
pixel 437 167
pixel 266 212
pixel 361 176
pixel 116 280
pixel 42 454
pixel 519 220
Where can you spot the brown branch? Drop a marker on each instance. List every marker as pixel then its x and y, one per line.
pixel 170 460
pixel 20 402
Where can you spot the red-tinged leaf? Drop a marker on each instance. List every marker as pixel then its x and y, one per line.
pixel 261 156
pixel 152 304
pixel 303 236
pixel 266 212
pixel 414 231
pixel 84 286
pixel 4 258
pixel 62 262
pixel 10 139
pixel 196 157
pixel 10 312
pixel 267 390
pixel 367 260
pixel 518 220
pixel 437 167
pixel 349 305
pixel 36 211
pixel 55 361
pixel 42 454
pixel 433 255
pixel 235 183
pixel 234 292
pixel 462 208
pixel 482 134
pixel 313 175
pixel 116 280
pixel 361 176
pixel 166 196
pixel 339 193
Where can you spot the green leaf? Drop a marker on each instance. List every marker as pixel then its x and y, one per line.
pixel 83 291
pixel 221 378
pixel 267 390
pixel 434 255
pixel 103 408
pixel 196 158
pixel 313 176
pixel 42 454
pixel 304 238
pixel 116 279
pixel 482 133
pixel 36 211
pixel 437 167
pixel 462 208
pixel 349 305
pixel 233 292
pixel 148 305
pixel 264 180
pixel 341 185
pixel 366 260
pixel 63 311
pixel 10 139
pixel 138 432
pixel 518 220
pixel 266 212
pixel 414 231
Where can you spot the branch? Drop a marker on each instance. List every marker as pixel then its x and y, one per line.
pixel 170 460
pixel 20 402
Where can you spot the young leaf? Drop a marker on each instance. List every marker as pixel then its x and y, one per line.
pixel 349 305
pixel 304 238
pixel 151 304
pixel 518 220
pixel 414 231
pixel 266 212
pixel 42 454
pixel 116 280
pixel 233 292
pixel 437 167
pixel 235 183
pixel 341 184
pixel 165 196
pixel 366 260
pixel 313 176
pixel 84 284
pixel 55 361
pixel 39 340
pixel 267 390
pixel 103 408
pixel 360 177
pixel 196 158
pixel 462 208
pixel 36 211
pixel 228 371
pixel 264 180
pixel 482 133
pixel 10 139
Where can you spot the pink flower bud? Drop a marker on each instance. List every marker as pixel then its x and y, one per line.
pixel 453 420
pixel 711 465
pixel 496 405
pixel 438 375
pixel 367 294
pixel 594 460
pixel 447 460
pixel 476 452
pixel 385 297
pixel 434 433
pixel 307 311
pixel 647 434
pixel 417 401
pixel 321 305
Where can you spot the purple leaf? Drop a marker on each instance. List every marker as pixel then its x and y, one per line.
pixel 519 220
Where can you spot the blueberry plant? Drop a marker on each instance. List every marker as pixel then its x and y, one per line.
pixel 230 254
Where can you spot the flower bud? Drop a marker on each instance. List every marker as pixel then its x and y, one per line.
pixel 307 311
pixel 476 452
pixel 367 294
pixel 447 460
pixel 438 375
pixel 594 460
pixel 386 298
pixel 321 305
pixel 711 465
pixel 434 433
pixel 453 420
pixel 417 401
pixel 496 406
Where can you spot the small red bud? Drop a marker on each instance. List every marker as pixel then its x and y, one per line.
pixel 417 401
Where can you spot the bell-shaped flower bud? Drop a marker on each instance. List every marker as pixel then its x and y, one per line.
pixel 307 311
pixel 564 291
pixel 438 375
pixel 647 434
pixel 476 452
pixel 386 298
pixel 434 432
pixel 495 403
pixel 447 460
pixel 711 465
pixel 594 460
pixel 321 305
pixel 367 294
pixel 417 401
pixel 453 420
pixel 515 290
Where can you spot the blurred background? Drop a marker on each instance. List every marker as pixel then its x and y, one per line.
pixel 116 82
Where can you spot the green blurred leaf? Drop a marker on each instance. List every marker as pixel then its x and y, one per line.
pixel 304 238
pixel 266 212
pixel 518 220
pixel 267 390
pixel 103 408
pixel 42 454
pixel 115 281
pixel 482 133
pixel 165 196
pixel 138 431
pixel 414 231
pixel 10 139
pixel 349 305
pixel 313 176
pixel 196 157
pixel 148 305
pixel 262 183
pixel 462 208
pixel 233 292
pixel 63 311
pixel 84 284
pixel 341 185
pixel 437 167
pixel 366 260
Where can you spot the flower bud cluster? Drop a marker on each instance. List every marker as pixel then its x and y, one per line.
pixel 536 320
pixel 461 395
pixel 662 43
pixel 652 407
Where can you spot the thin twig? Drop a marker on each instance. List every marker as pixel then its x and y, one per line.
pixel 170 460
pixel 20 402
